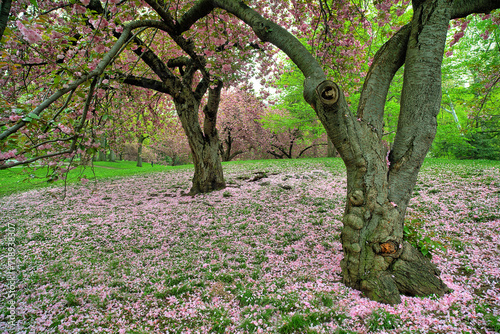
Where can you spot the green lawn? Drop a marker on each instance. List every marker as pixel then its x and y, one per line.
pixel 20 179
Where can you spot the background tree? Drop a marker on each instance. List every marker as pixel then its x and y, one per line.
pixel 240 129
pixel 300 118
pixel 173 66
pixel 470 120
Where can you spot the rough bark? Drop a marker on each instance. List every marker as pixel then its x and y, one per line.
pixel 208 173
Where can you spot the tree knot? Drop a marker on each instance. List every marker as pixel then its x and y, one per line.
pixel 328 92
pixel 389 247
pixel 357 198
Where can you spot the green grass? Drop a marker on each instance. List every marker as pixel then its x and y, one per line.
pixel 22 179
pixel 15 180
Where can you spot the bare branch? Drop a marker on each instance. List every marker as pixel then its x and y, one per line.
pixel 156 85
pixel 462 8
pixel 26 162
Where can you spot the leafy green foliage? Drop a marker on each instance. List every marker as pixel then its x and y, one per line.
pixel 414 233
pixel 469 122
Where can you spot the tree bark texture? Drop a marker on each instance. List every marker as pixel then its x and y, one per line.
pixel 4 15
pixel 208 173
pixel 377 260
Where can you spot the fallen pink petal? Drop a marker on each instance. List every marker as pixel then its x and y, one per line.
pixel 132 255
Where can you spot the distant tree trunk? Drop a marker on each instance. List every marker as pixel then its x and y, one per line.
pixel 205 145
pixel 112 156
pixel 85 159
pixel 331 151
pixel 225 152
pixel 102 152
pixel 140 140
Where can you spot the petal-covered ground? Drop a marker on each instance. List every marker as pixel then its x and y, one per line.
pixel 133 255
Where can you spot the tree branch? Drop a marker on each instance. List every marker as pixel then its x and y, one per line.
pixel 156 85
pixel 387 61
pixel 420 98
pixel 186 45
pixel 106 60
pixel 462 8
pixel 4 16
pixel 211 108
pixel 6 166
pixel 271 32
pixel 199 10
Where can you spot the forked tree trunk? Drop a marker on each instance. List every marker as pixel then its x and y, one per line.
pixel 208 173
pixel 377 260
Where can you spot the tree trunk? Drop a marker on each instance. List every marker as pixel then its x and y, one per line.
pixel 205 145
pixel 4 15
pixel 140 140
pixel 377 260
pixel 331 151
pixel 225 152
pixel 112 156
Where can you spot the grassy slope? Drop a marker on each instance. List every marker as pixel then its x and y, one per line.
pixel 18 179
pixel 137 256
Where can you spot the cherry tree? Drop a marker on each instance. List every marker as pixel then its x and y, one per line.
pixel 203 47
pixel 292 137
pixel 240 129
pixel 377 260
pixel 105 49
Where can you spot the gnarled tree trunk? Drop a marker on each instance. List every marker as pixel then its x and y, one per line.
pixel 208 173
pixel 377 260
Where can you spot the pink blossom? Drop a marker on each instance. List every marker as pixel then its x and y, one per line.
pixel 15 118
pixel 29 35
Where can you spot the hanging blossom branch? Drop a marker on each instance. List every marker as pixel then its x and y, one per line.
pixel 99 70
pixel 74 138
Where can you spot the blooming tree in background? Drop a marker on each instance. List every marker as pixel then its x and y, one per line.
pixel 240 130
pixel 61 55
